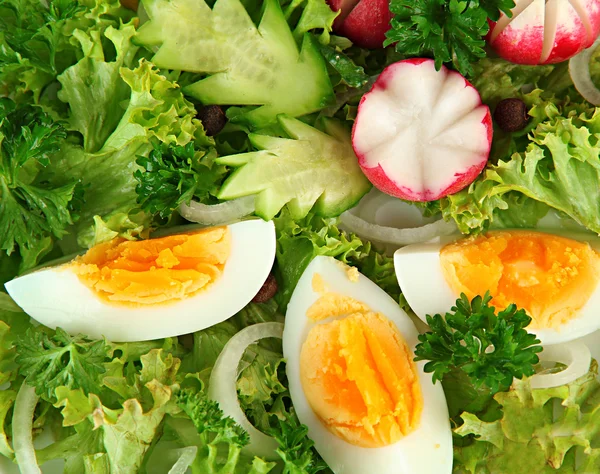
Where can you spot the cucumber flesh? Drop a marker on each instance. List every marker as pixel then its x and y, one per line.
pixel 310 171
pixel 246 65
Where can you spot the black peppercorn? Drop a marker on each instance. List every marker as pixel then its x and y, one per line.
pixel 511 115
pixel 267 291
pixel 213 119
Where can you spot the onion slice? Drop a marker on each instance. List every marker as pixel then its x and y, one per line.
pixel 393 235
pixel 579 69
pixel 575 355
pixel 216 214
pixel 186 458
pixel 22 430
pixel 223 380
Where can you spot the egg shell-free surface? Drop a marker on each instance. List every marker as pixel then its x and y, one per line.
pixel 421 279
pixel 56 297
pixel 428 449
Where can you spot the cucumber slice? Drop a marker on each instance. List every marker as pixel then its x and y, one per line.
pixel 310 171
pixel 247 65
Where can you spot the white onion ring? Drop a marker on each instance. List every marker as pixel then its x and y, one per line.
pixel 574 354
pixel 579 69
pixel 395 236
pixel 22 430
pixel 223 379
pixel 185 460
pixel 216 214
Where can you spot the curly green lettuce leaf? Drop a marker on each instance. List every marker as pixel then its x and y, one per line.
pixel 93 87
pixel 117 438
pixel 300 241
pixel 156 111
pixel 36 45
pixel 316 15
pixel 533 435
pixel 312 170
pixel 553 162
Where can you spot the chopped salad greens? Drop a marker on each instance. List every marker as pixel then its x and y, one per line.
pixel 107 134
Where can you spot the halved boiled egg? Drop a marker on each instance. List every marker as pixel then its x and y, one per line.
pixel 353 382
pixel 151 289
pixel 555 278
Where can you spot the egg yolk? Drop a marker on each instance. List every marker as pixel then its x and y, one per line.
pixel 551 277
pixel 156 270
pixel 359 378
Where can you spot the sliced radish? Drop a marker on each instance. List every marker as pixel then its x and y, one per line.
pixel 421 134
pixel 546 31
pixel 364 22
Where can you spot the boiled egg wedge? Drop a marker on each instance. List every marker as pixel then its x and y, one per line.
pixel 554 277
pixel 353 382
pixel 151 289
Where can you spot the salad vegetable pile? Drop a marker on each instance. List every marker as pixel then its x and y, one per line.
pixel 299 236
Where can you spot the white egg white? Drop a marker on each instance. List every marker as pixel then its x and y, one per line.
pixel 420 276
pixel 427 450
pixel 57 298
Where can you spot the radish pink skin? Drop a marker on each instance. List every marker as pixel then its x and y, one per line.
pixel 520 47
pixel 364 22
pixel 525 47
pixel 368 23
pixel 379 178
pixel 346 6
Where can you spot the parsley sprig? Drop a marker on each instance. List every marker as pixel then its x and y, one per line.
pixel 49 361
pixel 173 175
pixel 450 31
pixel 491 349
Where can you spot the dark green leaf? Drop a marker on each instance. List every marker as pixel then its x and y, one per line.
pixel 449 31
pixel 491 349
pixel 174 175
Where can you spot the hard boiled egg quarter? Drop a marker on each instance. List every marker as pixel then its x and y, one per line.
pixel 554 277
pixel 151 289
pixel 368 406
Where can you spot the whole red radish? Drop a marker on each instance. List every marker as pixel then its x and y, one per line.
pixel 364 22
pixel 546 31
pixel 421 134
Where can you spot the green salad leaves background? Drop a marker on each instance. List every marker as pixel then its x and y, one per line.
pixel 100 138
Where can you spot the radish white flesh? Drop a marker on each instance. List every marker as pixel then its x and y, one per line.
pixel 546 31
pixel 421 134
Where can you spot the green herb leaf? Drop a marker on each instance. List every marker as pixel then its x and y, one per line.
pixel 450 31
pixel 174 175
pixel 492 349
pixel 295 448
pixel 31 211
pixel 51 361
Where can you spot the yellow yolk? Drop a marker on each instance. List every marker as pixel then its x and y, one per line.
pixel 156 270
pixel 359 377
pixel 551 277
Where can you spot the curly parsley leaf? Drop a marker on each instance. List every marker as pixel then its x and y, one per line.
pixel 60 360
pixel 491 349
pixel 31 211
pixel 210 422
pixel 173 175
pixel 295 448
pixel 450 31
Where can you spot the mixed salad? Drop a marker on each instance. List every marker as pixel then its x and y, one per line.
pixel 299 236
